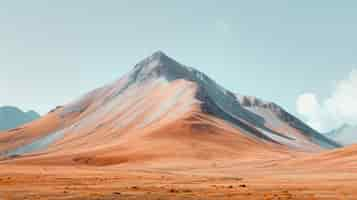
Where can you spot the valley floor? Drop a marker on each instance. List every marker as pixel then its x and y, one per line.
pixel 219 180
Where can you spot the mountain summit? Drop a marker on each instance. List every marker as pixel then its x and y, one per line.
pixel 161 104
pixel 161 65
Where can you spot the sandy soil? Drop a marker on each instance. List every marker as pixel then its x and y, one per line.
pixel 217 180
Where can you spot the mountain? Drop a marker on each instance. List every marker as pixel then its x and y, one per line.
pixel 12 117
pixel 161 110
pixel 346 134
pixel 276 118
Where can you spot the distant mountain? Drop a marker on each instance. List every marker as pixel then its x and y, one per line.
pixel 346 134
pixel 12 117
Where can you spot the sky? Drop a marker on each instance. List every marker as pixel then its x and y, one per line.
pixel 298 54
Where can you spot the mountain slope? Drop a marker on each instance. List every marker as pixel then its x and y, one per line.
pixel 161 109
pixel 12 117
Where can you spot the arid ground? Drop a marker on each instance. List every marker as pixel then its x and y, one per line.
pixel 220 179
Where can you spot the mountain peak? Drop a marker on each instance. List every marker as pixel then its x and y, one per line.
pixel 160 65
pixel 158 54
pixel 157 57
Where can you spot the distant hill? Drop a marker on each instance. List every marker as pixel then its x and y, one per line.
pixel 12 117
pixel 346 134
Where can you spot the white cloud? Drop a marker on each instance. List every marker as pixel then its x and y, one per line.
pixel 329 113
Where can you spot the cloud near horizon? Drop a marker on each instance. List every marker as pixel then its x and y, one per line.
pixel 339 108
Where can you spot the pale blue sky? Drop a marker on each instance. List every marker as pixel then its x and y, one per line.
pixel 53 51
